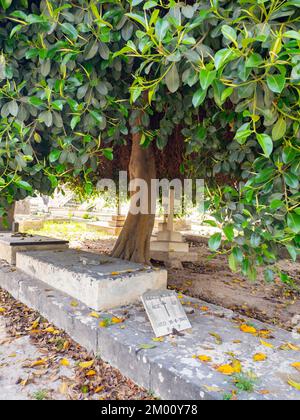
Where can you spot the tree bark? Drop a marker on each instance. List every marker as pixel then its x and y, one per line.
pixel 133 243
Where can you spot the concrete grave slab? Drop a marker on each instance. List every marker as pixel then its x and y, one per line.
pixel 11 243
pixel 170 369
pixel 98 281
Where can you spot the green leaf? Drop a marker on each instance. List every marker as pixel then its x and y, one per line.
pixel 223 57
pixel 138 18
pixel 243 133
pixel 279 129
pixel 255 60
pixel 23 185
pixel 291 180
pixel 215 242
pixel 292 34
pixel 54 155
pixel 199 97
pixel 293 222
pixel 5 4
pixel 229 232
pixel 172 79
pixel 206 78
pixel 230 33
pixel 233 263
pixel 35 101
pixel 266 144
pixel 161 28
pixel 70 31
pixel 108 153
pixel 276 83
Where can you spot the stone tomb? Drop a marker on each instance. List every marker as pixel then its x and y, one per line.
pixel 98 281
pixel 11 243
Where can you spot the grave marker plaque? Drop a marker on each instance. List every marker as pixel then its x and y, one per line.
pixel 165 312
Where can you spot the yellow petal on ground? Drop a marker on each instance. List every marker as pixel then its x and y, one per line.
pixel 260 357
pixel 64 362
pixel 248 329
pixel 102 324
pixel 296 366
pixel 74 304
pixel 264 343
pixel 2 310
pixel 115 273
pixel 180 296
pixel 204 308
pixel 86 365
pixel 226 370
pixel 91 373
pixel 94 315
pixel 294 384
pixel 204 358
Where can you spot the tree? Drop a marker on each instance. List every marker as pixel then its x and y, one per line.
pixel 83 69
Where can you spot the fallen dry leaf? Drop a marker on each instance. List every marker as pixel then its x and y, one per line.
pixel 217 337
pixel 296 366
pixel 260 357
pixel 41 362
pixel 204 358
pixel 294 384
pixel 289 347
pixel 86 365
pixel 226 370
pixel 116 320
pixel 94 315
pixel 248 329
pixel 264 343
pixel 91 373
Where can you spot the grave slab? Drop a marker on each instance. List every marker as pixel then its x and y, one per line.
pixel 10 244
pixel 98 281
pixel 170 369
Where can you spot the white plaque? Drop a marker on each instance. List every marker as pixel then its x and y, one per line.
pixel 165 312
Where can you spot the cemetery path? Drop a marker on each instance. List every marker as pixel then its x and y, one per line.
pixel 39 362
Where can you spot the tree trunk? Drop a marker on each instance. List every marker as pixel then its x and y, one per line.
pixel 6 223
pixel 133 243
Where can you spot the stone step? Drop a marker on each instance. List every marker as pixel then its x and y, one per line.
pixel 169 369
pixel 98 281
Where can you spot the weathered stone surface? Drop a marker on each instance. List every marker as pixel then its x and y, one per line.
pixel 98 281
pixel 169 369
pixel 10 244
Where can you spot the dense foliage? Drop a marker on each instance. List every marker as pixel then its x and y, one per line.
pixel 72 76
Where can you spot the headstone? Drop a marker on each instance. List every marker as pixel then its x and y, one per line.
pixel 165 312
